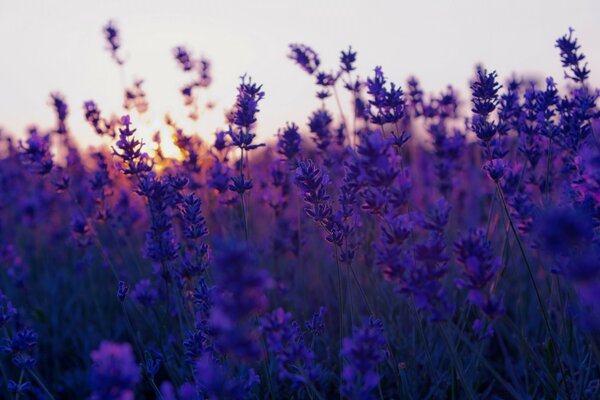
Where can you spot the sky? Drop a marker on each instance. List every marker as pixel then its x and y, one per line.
pixel 48 46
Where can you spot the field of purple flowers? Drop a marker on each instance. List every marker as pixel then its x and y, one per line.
pixel 413 246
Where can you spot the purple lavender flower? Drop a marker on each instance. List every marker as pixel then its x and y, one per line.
pixel 18 388
pixel 437 217
pixel 319 124
pixel 364 351
pixel 183 58
pixel 423 281
pixel 495 169
pixel 93 117
pixel 129 150
pixel 386 105
pixel 288 141
pixel 7 311
pixel 115 373
pixel 315 325
pixel 81 230
pixel 151 365
pixel 239 296
pixel 564 230
pixel 35 153
pixel 509 108
pixel 378 164
pixel 220 175
pixel 215 382
pixel 484 90
pixel 415 101
pixel 326 81
pixel 347 60
pixel 572 58
pixel 240 184
pixel 194 222
pixel 305 57
pixel 61 109
pixel 474 253
pixel 196 345
pixel 246 105
pixel 161 243
pixel 313 183
pixel 220 143
pixel 122 290
pixel 113 41
pixel 21 348
pixel 145 293
pixel 135 97
pixel 295 360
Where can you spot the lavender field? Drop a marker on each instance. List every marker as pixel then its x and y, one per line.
pixel 394 244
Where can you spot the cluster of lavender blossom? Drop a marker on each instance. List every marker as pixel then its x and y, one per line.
pixel 407 245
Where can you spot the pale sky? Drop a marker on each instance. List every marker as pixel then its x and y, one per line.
pixel 58 45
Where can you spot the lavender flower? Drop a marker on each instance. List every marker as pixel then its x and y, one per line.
pixel 315 325
pixel 161 244
pixel 572 58
pixel 319 125
pixel 35 153
pixel 364 351
pixel 18 388
pixel 509 110
pixel 495 169
pixel 474 253
pixel 563 230
pixel 220 176
pixel 215 381
pixel 347 60
pixel 240 184
pixel 113 41
pixel 21 348
pixel 62 110
pixel 288 141
pixel 386 105
pixel 7 311
pixel 313 184
pixel 135 97
pixel 246 105
pixel 123 289
pixel 115 373
pixel 485 99
pixel 194 222
pixel 239 296
pixel 129 150
pixel 93 117
pixel 485 92
pixel 305 57
pixel 295 360
pixel 183 58
pixel 145 293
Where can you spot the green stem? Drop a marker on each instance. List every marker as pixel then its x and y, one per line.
pixel 535 287
pixel 340 304
pixel 413 307
pixel 458 366
pixel 548 165
pixel 19 384
pixel 387 342
pixel 39 382
pixel 158 393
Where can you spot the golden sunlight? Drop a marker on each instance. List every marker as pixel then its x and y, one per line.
pixel 157 136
